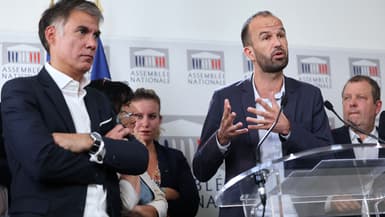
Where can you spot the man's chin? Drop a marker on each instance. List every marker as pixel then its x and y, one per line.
pixel 86 67
pixel 354 122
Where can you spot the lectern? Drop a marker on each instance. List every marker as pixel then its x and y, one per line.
pixel 319 191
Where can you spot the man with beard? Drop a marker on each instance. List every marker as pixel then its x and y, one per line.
pixel 241 113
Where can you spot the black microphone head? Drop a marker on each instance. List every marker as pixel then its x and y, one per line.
pixel 328 105
pixel 382 119
pixel 381 126
pixel 284 100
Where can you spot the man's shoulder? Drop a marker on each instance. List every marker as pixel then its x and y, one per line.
pixel 297 83
pixel 235 85
pixel 340 130
pixel 20 82
pixel 301 87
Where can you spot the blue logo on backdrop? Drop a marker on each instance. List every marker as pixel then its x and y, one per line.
pixel 205 67
pixel 314 70
pixel 149 65
pixel 365 66
pixel 21 60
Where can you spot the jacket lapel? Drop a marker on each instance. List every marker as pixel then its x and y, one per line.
pixel 289 109
pixel 248 100
pixel 55 96
pixel 92 108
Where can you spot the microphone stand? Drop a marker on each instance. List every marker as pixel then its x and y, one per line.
pixel 283 103
pixel 260 180
pixel 261 176
pixel 329 106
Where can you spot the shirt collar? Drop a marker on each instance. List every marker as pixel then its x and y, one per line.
pixel 63 81
pixel 277 96
pixel 354 136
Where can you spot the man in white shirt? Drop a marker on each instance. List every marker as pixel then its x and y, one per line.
pixel 62 144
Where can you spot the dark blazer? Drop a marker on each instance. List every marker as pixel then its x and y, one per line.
pixel 48 180
pixel 5 174
pixel 176 173
pixel 341 136
pixel 304 109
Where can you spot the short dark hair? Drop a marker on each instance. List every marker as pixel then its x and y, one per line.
pixel 245 37
pixel 118 93
pixel 143 93
pixel 376 92
pixel 61 11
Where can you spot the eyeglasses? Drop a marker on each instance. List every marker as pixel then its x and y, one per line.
pixel 126 117
pixel 124 114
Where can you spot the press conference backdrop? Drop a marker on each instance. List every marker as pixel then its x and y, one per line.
pixel 185 73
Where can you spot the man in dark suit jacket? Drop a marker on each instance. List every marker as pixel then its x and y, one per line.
pixel 361 102
pixel 5 175
pixel 62 145
pixel 239 112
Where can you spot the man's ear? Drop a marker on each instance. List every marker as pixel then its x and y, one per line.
pixel 249 53
pixel 378 106
pixel 50 33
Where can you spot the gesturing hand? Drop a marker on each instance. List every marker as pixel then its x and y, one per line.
pixel 268 117
pixel 228 129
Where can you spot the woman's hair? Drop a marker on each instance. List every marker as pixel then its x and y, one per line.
pixel 143 93
pixel 118 93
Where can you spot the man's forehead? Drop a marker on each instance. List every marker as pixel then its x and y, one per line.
pixel 357 87
pixel 266 22
pixel 83 19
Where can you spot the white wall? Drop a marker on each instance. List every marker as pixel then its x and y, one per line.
pixel 318 23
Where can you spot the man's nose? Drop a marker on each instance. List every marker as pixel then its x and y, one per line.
pixel 353 102
pixel 277 41
pixel 92 42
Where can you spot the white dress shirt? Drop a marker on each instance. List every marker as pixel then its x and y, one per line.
pixel 364 152
pixel 74 93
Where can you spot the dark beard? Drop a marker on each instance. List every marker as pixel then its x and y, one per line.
pixel 271 66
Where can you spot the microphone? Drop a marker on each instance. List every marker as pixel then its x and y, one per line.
pixel 283 104
pixel 260 180
pixel 381 126
pixel 262 175
pixel 329 106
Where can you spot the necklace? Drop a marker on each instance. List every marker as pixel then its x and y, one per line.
pixel 153 168
pixel 156 176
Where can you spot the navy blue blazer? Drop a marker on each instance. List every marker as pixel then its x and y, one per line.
pixel 5 175
pixel 176 173
pixel 309 129
pixel 341 136
pixel 48 180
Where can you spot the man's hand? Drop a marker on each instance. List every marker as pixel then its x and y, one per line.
pixel 345 204
pixel 227 129
pixel 269 116
pixel 75 142
pixel 118 132
pixel 80 142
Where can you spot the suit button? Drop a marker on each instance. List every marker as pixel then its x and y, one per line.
pixel 100 158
